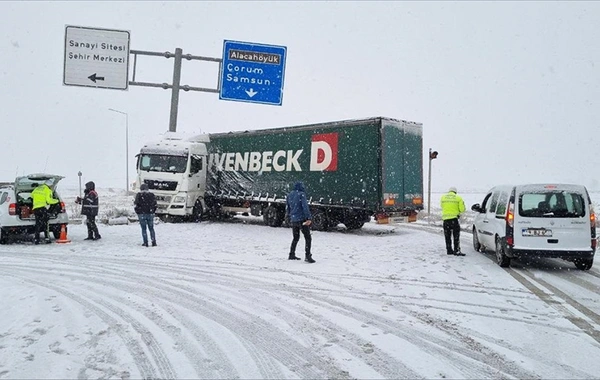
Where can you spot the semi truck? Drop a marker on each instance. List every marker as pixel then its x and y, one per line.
pixel 353 171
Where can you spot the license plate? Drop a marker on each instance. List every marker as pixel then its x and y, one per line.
pixel 537 232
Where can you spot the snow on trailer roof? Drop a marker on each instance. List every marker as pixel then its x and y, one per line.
pixel 350 122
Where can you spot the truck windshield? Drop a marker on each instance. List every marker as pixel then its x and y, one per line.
pixel 163 163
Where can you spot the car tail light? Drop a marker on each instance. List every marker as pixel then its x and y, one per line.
pixel 12 209
pixel 510 221
pixel 62 207
pixel 593 227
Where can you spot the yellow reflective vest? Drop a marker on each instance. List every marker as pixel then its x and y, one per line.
pixel 42 196
pixel 452 205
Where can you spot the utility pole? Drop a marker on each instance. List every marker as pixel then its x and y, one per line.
pixel 432 156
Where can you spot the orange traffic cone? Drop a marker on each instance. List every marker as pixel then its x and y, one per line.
pixel 63 235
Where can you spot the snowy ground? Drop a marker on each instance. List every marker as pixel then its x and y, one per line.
pixel 220 300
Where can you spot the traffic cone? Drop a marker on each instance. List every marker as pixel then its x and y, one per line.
pixel 63 235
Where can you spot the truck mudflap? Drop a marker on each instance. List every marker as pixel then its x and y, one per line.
pixel 383 217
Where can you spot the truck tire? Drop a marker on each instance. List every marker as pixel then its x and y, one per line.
pixel 197 212
pixel 273 216
pixel 320 222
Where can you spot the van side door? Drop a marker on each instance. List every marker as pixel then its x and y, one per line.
pixel 488 224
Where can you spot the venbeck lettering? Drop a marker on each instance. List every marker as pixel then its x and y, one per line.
pixel 250 56
pixel 278 161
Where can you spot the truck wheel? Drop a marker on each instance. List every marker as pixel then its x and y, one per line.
pixel 197 212
pixel 320 222
pixel 273 217
pixel 584 264
pixel 501 258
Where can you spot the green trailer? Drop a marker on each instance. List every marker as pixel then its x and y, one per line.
pixel 353 170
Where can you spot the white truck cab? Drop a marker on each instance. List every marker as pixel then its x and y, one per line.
pixel 174 169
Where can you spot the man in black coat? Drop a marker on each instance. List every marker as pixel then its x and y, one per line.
pixel 145 206
pixel 89 208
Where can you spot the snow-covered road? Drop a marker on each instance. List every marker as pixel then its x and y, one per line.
pixel 220 300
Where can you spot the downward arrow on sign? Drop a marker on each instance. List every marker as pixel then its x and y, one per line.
pixel 251 92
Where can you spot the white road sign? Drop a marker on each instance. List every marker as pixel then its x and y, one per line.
pixel 96 58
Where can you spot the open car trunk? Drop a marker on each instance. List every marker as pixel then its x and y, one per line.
pixel 24 186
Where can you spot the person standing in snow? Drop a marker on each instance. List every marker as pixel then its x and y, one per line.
pixel 300 218
pixel 145 206
pixel 452 206
pixel 89 208
pixel 42 199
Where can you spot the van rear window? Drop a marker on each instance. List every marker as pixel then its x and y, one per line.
pixel 551 204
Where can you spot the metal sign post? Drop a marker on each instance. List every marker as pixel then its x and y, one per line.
pixel 432 156
pixel 249 72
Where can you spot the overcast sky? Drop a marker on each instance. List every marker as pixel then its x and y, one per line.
pixel 506 91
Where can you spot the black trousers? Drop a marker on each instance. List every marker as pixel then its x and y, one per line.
pixel 296 228
pixel 41 222
pixel 452 230
pixel 92 228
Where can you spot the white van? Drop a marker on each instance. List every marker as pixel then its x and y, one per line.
pixel 539 220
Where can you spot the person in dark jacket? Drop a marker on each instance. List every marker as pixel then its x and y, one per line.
pixel 145 206
pixel 89 208
pixel 300 218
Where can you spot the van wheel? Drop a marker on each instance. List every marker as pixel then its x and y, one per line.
pixel 584 264
pixel 3 237
pixel 501 258
pixel 476 243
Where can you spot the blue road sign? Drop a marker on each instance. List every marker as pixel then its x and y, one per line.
pixel 252 72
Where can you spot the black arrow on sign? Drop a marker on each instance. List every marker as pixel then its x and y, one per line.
pixel 94 78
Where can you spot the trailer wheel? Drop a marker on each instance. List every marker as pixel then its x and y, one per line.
pixel 320 222
pixel 273 216
pixel 353 224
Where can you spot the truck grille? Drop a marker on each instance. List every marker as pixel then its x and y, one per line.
pixel 161 185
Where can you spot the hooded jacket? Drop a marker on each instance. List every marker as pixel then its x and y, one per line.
pixel 145 201
pixel 297 205
pixel 89 203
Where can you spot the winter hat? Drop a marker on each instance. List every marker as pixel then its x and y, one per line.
pixel 144 186
pixel 453 189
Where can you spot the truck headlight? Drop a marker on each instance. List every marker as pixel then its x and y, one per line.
pixel 179 199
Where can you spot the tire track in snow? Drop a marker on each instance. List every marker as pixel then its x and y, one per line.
pixel 134 347
pixel 262 336
pixel 453 348
pixel 129 283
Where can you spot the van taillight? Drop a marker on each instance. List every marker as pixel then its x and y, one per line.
pixel 593 227
pixel 510 215
pixel 62 207
pixel 510 220
pixel 12 209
